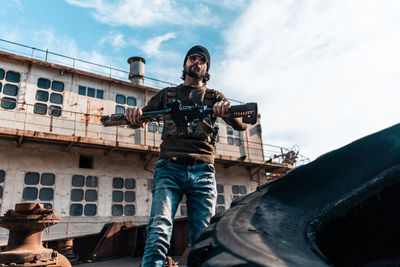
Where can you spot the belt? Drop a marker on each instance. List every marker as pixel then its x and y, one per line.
pixel 186 161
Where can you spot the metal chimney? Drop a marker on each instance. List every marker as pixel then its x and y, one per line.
pixel 136 73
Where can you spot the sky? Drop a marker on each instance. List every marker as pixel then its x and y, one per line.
pixel 324 73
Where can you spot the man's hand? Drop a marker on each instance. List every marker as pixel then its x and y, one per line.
pixel 221 109
pixel 133 114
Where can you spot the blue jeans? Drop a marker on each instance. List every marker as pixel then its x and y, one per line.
pixel 171 182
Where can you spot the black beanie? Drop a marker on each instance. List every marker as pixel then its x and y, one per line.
pixel 199 50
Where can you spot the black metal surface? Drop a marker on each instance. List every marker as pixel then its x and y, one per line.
pixel 312 216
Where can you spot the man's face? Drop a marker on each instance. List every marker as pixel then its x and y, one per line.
pixel 196 66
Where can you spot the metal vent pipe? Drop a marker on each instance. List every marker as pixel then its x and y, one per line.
pixel 136 72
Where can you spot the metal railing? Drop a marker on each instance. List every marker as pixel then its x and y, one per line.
pixel 73 123
pixel 48 56
pixel 272 153
pixel 278 154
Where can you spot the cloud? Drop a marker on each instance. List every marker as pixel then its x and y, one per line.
pixel 327 71
pixel 114 39
pixel 147 13
pixel 152 46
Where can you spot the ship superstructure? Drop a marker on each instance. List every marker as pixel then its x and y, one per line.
pixel 55 151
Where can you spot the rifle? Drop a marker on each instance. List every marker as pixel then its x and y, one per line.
pixel 186 116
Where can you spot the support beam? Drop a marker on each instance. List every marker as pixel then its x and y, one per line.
pixel 108 152
pixel 78 138
pixel 20 139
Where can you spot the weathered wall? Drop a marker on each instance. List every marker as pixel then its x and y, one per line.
pixel 51 158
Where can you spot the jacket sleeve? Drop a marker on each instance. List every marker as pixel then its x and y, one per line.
pixel 236 123
pixel 157 102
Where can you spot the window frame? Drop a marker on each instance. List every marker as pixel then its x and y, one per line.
pixel 9 101
pixel 123 203
pixel 84 91
pixel 53 107
pixel 40 187
pixel 124 105
pixel 84 203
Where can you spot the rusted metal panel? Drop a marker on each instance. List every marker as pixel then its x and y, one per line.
pixel 180 237
pixel 118 239
pixel 26 224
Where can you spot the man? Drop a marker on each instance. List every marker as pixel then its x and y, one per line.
pixel 186 158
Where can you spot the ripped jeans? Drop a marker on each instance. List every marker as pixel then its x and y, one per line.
pixel 171 182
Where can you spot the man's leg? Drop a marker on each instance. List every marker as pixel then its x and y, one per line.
pixel 166 198
pixel 201 196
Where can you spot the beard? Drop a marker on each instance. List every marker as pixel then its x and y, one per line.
pixel 194 72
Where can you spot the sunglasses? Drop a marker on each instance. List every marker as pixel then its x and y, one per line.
pixel 201 59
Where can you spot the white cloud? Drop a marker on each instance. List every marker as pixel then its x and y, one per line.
pixel 152 46
pixel 147 13
pixel 114 39
pixel 324 73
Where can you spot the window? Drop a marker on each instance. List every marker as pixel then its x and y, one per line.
pixel 82 90
pixel 13 76
pixel 230 140
pixel 57 86
pixel 42 95
pixel 56 98
pixel 90 92
pixel 131 101
pixel 123 102
pixel 152 127
pixel 8 103
pixel 120 109
pixel 47 97
pixel 54 110
pixel 84 195
pixel 9 90
pixel 229 130
pixel 238 191
pixel 43 83
pixel 40 108
pixel 220 199
pixel 99 94
pixel 234 137
pixel 39 188
pixel 123 196
pixel 120 99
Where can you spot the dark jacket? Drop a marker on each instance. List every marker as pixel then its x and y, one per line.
pixel 187 147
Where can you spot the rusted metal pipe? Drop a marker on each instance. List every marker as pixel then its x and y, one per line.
pixel 26 224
